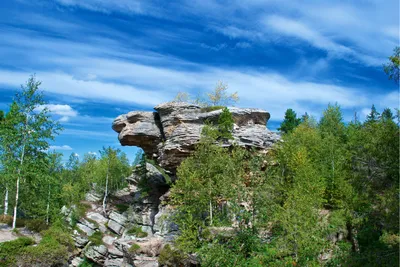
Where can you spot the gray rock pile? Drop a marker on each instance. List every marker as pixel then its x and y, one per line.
pixel 133 237
pixel 170 133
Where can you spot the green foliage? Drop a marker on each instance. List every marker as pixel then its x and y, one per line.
pixel 225 124
pixel 121 207
pixel 36 225
pixel 373 115
pixel 137 231
pixel 171 257
pixel 86 263
pixel 10 251
pixel 135 247
pixel 290 121
pixel 96 238
pixel 392 68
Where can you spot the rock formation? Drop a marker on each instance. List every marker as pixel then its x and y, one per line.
pixel 146 214
pixel 170 133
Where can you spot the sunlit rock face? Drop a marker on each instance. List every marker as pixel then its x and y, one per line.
pixel 170 134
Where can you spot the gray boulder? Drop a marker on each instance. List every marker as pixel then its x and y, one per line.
pixel 170 134
pixel 97 254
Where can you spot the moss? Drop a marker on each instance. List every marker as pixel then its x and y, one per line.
pixel 211 108
pixel 137 231
pixel 96 238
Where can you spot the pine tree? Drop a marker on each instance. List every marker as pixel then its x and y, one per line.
pixel 290 121
pixel 373 116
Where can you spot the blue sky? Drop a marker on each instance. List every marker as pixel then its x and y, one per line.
pixel 99 58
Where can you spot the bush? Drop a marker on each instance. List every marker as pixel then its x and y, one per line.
pixel 171 257
pixel 11 249
pixel 137 231
pixel 48 253
pixel 52 251
pixel 36 225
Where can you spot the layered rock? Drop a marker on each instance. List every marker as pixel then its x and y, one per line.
pixel 170 133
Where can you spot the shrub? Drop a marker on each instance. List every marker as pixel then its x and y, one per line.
pixel 171 257
pixel 48 253
pixel 96 238
pixel 11 249
pixel 52 251
pixel 137 231
pixel 36 225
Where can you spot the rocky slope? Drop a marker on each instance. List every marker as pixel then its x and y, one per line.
pixel 130 237
pixel 170 133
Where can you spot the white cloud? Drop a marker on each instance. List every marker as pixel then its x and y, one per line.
pixel 65 111
pixel 92 153
pixel 64 147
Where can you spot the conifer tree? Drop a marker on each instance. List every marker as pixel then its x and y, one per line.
pixel 290 121
pixel 373 116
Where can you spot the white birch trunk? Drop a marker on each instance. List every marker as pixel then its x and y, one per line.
pixel 6 202
pixel 48 207
pixel 19 175
pixel 106 191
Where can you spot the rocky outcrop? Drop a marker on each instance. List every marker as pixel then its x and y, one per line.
pixel 170 134
pixel 133 237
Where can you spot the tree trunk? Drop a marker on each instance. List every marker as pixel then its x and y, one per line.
pixel 48 207
pixel 211 214
pixel 19 175
pixel 6 202
pixel 106 191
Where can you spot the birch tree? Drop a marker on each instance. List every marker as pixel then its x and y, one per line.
pixel 27 133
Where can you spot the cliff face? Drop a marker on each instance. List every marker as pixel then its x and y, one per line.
pixel 170 134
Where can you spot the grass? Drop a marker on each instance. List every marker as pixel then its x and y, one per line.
pixel 137 231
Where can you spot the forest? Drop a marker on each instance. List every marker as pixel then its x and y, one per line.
pixel 327 192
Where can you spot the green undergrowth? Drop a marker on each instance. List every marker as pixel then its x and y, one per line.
pixel 96 238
